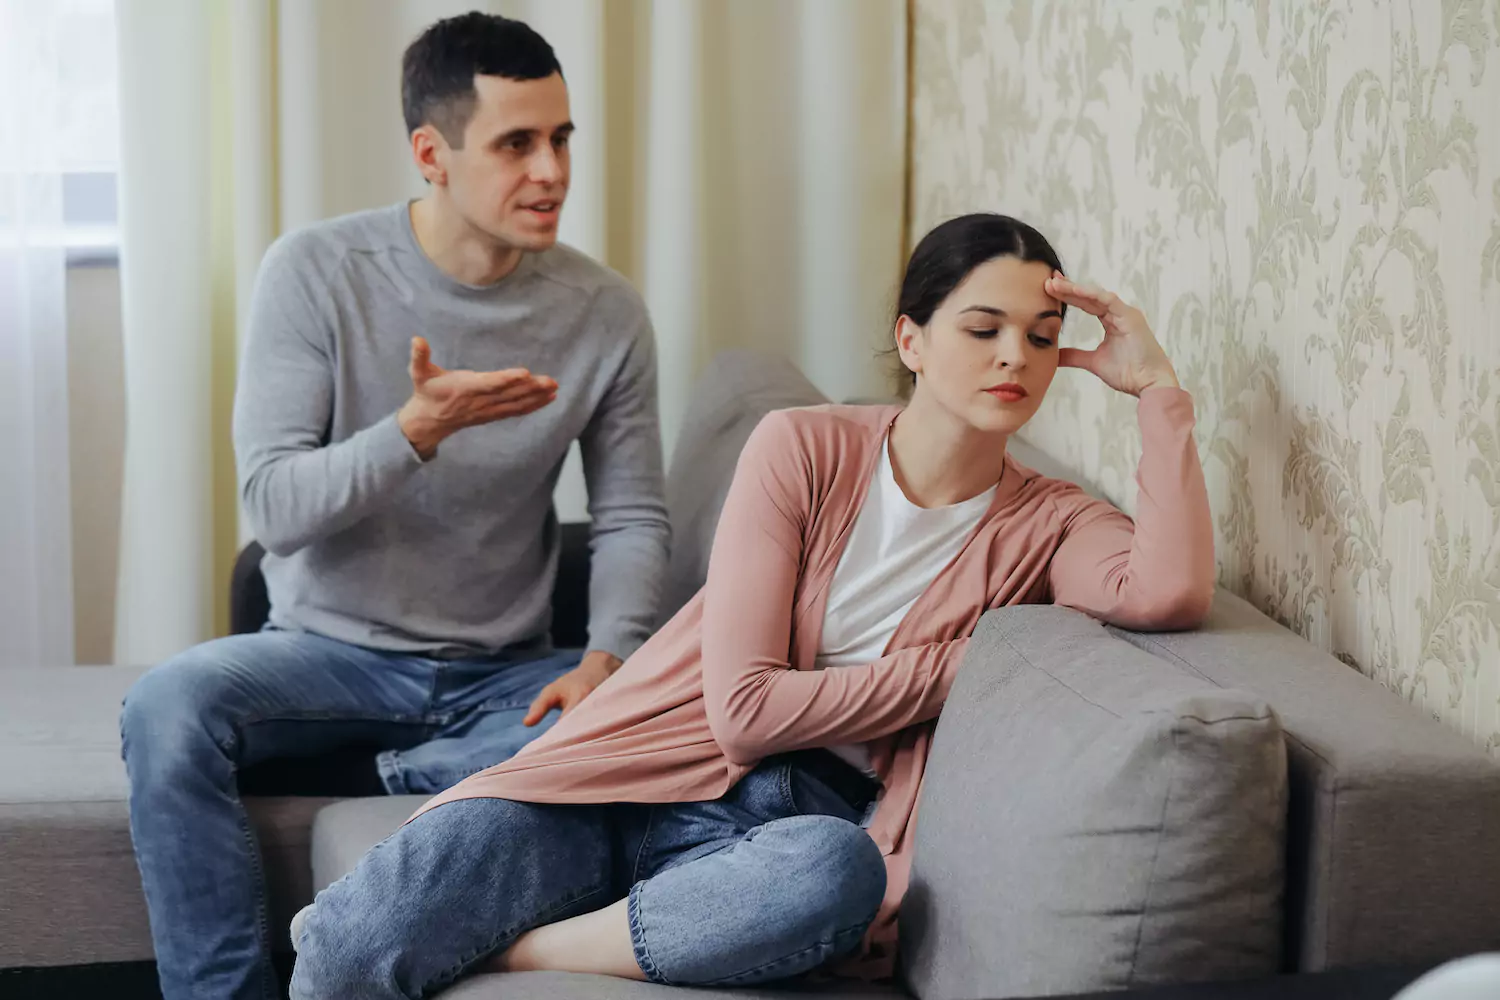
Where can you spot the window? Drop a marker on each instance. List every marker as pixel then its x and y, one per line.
pixel 60 56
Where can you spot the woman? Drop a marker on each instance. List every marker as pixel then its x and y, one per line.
pixel 706 818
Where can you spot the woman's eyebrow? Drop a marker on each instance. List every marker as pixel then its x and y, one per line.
pixel 991 310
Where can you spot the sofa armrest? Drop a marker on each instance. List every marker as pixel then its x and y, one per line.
pixel 1393 828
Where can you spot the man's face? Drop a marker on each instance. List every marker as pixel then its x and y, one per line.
pixel 511 175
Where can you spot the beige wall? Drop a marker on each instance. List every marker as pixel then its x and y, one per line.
pixel 96 415
pixel 1305 199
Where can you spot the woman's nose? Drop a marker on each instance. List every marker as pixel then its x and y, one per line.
pixel 1010 349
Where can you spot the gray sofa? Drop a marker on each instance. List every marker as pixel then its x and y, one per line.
pixel 1392 822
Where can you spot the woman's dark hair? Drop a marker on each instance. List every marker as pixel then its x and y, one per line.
pixel 438 69
pixel 947 254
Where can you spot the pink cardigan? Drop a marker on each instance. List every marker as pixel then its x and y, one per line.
pixel 710 695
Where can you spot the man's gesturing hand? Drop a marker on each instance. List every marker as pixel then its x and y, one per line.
pixel 444 402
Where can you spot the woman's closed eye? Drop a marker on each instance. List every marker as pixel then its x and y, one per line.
pixel 990 332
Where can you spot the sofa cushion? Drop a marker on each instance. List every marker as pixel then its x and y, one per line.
pixel 69 888
pixel 1092 818
pixel 736 390
pixel 345 831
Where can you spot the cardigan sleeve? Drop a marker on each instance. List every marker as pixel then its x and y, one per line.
pixel 757 704
pixel 1157 572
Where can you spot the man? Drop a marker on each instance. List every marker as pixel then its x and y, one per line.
pixel 398 446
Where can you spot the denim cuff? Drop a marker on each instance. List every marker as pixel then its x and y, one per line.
pixel 638 938
pixel 391 775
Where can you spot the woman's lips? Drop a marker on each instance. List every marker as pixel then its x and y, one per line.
pixel 1008 393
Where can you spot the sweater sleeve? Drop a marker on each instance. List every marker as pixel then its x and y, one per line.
pixel 757 704
pixel 296 487
pixel 622 465
pixel 1158 571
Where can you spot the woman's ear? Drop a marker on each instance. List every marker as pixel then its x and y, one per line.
pixel 909 343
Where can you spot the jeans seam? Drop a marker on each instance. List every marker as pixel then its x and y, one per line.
pixel 415 720
pixel 502 705
pixel 635 871
pixel 258 887
pixel 513 931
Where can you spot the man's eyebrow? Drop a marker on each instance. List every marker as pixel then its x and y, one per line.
pixel 566 128
pixel 513 134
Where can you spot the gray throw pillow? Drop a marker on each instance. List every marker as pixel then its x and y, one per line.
pixel 1092 818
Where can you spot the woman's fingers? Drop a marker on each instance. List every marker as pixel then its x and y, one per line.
pixel 1073 357
pixel 1091 299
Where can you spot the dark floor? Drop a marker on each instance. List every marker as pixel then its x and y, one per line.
pixel 106 981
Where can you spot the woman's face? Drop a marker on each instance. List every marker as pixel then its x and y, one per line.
pixel 990 350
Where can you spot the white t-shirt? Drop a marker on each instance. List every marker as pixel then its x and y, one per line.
pixel 895 550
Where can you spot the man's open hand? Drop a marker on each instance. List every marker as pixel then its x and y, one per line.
pixel 444 402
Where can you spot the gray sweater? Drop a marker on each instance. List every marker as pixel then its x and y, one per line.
pixel 457 555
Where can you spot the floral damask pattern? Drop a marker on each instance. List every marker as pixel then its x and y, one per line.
pixel 1304 196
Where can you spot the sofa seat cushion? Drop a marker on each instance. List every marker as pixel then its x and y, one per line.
pixel 1093 818
pixel 345 831
pixel 70 892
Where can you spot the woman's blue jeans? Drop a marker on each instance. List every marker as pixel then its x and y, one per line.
pixel 767 883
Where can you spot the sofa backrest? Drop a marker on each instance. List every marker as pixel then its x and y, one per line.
pixel 734 392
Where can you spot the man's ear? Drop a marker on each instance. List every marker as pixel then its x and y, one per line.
pixel 909 343
pixel 429 152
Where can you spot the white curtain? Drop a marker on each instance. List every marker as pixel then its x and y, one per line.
pixel 36 577
pixel 742 163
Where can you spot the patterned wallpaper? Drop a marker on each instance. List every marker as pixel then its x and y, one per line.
pixel 1304 197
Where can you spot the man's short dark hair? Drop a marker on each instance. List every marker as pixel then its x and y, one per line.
pixel 438 69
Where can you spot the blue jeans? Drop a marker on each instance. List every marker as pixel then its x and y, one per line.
pixel 191 723
pixel 766 883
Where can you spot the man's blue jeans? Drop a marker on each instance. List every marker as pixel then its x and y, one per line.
pixel 767 883
pixel 190 724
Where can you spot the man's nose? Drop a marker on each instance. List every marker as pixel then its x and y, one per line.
pixel 546 166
